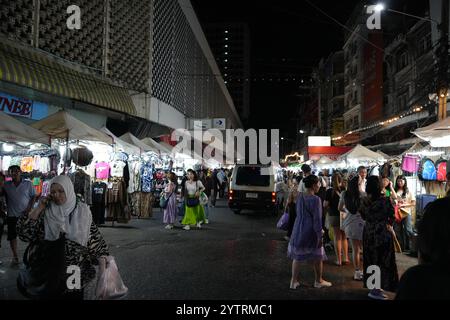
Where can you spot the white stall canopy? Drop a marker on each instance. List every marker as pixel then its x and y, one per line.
pixel 437 134
pixel 158 146
pixel 62 125
pixel 125 146
pixel 363 154
pixel 131 139
pixel 13 130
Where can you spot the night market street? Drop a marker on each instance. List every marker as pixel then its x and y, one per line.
pixel 234 257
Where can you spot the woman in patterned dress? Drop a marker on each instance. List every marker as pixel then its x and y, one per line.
pixel 62 216
pixel 170 212
pixel 378 238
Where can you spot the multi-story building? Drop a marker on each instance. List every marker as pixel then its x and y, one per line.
pixel 138 62
pixel 230 44
pixel 331 92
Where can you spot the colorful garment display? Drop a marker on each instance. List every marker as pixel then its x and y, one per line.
pixel 410 164
pixel 146 177
pixel 102 170
pixel 26 164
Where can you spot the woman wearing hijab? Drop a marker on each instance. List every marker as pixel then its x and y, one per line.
pixel 62 217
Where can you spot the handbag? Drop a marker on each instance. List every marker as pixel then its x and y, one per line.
pixel 193 201
pixel 110 285
pixel 283 223
pixel 163 202
pixel 44 275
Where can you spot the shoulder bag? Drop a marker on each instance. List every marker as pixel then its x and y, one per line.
pixel 193 201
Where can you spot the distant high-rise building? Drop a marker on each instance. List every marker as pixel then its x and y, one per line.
pixel 230 44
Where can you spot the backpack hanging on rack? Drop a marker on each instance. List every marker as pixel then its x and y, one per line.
pixel 441 170
pixel 427 170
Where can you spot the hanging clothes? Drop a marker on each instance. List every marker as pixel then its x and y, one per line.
pixel 102 170
pixel 146 205
pixel 82 185
pixel 147 177
pixel 117 169
pixel 99 190
pixel 117 201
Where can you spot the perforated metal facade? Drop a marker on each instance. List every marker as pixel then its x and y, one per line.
pixel 144 45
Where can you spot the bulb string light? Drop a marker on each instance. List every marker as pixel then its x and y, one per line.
pixel 414 110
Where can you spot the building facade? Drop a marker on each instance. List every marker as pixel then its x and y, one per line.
pixel 230 44
pixel 143 60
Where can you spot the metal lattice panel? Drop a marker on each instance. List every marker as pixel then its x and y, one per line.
pixel 16 19
pixel 84 46
pixel 130 43
pixel 182 76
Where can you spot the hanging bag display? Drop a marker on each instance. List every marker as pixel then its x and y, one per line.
pixel 410 164
pixel 441 170
pixel 427 170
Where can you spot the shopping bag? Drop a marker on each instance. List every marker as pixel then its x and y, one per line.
pixel 283 223
pixel 203 199
pixel 110 285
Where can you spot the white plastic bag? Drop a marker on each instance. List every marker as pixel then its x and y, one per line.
pixel 110 285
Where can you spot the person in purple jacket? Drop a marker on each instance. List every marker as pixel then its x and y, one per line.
pixel 306 243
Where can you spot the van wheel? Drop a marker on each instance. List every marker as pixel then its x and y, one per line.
pixel 237 211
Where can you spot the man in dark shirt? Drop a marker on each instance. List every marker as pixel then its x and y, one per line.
pixel 430 279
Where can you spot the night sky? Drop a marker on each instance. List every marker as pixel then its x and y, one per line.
pixel 288 40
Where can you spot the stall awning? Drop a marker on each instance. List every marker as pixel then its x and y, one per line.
pixel 152 143
pixel 362 153
pixel 62 125
pixel 437 134
pixel 41 71
pixel 127 147
pixel 12 130
pixel 131 139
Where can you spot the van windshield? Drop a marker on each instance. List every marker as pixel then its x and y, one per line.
pixel 251 176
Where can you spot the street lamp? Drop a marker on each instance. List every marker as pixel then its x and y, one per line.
pixel 301 132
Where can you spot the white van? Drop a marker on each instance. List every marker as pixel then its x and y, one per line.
pixel 249 189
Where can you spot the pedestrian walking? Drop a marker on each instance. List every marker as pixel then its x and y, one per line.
pixel 170 193
pixel 208 184
pixel 306 171
pixel 215 188
pixel 430 279
pixel 378 239
pixel 194 212
pixel 352 223
pixel 306 241
pixel 20 198
pixel 61 233
pixel 331 204
pixel 291 208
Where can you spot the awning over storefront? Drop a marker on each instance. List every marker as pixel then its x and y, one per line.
pixel 12 130
pixel 62 125
pixel 331 152
pixel 41 71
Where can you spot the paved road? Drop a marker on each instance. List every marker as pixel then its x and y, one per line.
pixel 234 257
